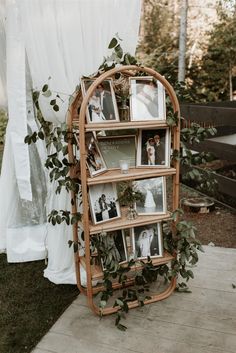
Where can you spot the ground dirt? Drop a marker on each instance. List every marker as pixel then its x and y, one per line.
pixel 217 227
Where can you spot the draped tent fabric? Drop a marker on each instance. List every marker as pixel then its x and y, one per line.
pixel 3 95
pixel 62 40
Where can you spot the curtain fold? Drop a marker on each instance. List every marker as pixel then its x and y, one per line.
pixel 63 40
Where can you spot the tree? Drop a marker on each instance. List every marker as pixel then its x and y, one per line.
pixel 159 41
pixel 218 67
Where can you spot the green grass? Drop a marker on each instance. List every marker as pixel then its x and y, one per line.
pixel 29 304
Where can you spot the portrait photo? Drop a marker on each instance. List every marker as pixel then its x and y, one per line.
pixel 102 106
pixel 148 241
pixel 114 242
pixel 95 161
pixel 147 99
pixel 103 204
pixel 154 196
pixel 154 148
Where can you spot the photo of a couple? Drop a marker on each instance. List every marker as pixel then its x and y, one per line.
pixel 147 97
pixel 148 241
pixel 153 148
pixel 103 202
pixel 102 105
pixel 154 192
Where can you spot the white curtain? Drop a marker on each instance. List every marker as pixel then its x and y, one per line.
pixel 3 99
pixel 63 40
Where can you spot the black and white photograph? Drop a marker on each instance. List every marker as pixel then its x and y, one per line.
pixel 103 204
pixel 148 241
pixel 154 196
pixel 154 148
pixel 102 106
pixel 147 99
pixel 95 162
pixel 115 242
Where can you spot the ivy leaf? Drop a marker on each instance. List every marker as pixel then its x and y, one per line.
pixel 112 43
pixel 41 135
pixel 45 88
pixel 56 108
pixel 53 102
pixel 119 51
pixel 121 327
pixel 27 139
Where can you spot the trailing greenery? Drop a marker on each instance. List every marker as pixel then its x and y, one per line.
pixel 181 243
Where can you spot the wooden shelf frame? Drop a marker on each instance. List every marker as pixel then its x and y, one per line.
pixel 74 122
pixel 134 174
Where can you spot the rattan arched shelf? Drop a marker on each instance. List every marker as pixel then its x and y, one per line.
pixel 79 121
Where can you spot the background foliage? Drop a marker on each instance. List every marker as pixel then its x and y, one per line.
pixel 208 75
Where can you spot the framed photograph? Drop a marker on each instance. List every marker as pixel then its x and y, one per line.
pixel 115 242
pixel 154 148
pixel 102 106
pixel 147 99
pixel 148 241
pixel 154 192
pixel 95 161
pixel 116 148
pixel 103 204
pixel 129 244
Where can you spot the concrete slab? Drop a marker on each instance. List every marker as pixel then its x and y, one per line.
pixel 203 321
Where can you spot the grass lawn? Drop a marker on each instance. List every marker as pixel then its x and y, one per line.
pixel 29 304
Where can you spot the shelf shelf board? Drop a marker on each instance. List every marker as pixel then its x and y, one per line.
pixel 97 272
pixel 124 223
pixel 134 173
pixel 144 124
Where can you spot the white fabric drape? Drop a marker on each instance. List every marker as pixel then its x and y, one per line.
pixel 63 40
pixel 3 95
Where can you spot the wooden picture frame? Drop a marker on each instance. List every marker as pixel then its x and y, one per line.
pixel 154 148
pixel 154 192
pixel 102 106
pixel 147 99
pixel 147 240
pixel 116 148
pixel 103 204
pixel 95 162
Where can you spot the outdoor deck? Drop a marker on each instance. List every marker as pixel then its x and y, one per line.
pixel 203 321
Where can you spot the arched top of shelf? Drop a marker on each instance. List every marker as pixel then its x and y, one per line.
pixel 130 71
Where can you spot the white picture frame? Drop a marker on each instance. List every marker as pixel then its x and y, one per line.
pixel 148 241
pixel 154 195
pixel 103 203
pixel 102 105
pixel 147 99
pixel 154 148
